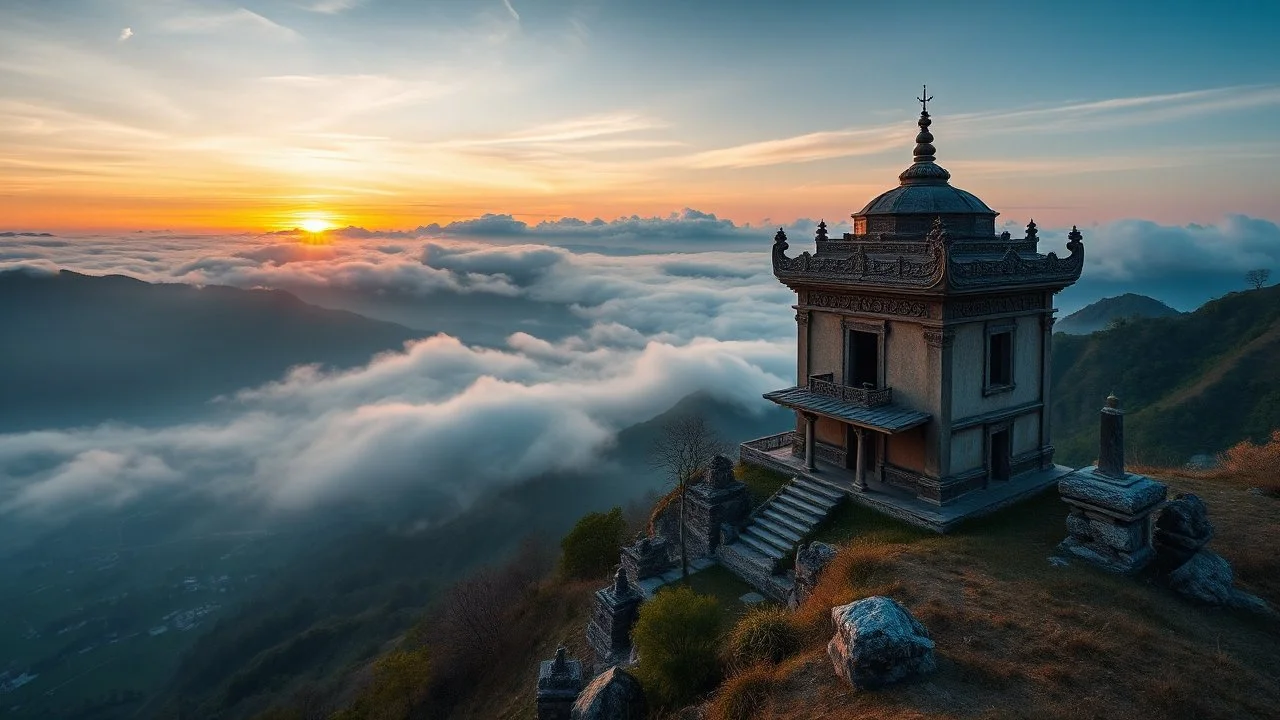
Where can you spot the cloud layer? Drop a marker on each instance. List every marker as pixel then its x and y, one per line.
pixel 460 418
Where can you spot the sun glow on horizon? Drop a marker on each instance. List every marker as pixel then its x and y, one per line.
pixel 315 225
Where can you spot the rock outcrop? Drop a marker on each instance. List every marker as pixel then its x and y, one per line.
pixel 613 695
pixel 1182 529
pixel 877 642
pixel 811 560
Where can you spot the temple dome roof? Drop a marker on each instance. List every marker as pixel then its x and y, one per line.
pixel 931 199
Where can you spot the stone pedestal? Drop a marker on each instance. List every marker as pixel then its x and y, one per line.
pixel 609 632
pixel 646 558
pixel 720 499
pixel 1110 520
pixel 559 683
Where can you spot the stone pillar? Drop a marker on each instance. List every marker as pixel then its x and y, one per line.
pixel 1111 440
pixel 609 632
pixel 720 499
pixel 1046 383
pixel 1110 520
pixel 646 558
pixel 559 683
pixel 802 342
pixel 859 473
pixel 809 440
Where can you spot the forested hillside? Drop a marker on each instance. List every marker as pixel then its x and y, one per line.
pixel 1194 383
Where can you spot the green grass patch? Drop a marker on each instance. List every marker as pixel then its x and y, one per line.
pixel 724 586
pixel 761 482
pixel 852 521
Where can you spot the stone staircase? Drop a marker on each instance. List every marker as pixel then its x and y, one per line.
pixel 775 530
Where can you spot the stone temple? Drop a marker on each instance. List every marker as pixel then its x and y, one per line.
pixel 923 353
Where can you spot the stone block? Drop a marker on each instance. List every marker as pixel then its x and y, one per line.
pixel 811 560
pixel 613 695
pixel 646 558
pixel 719 499
pixel 1182 529
pixel 1110 520
pixel 614 614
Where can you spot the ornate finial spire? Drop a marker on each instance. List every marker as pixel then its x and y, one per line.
pixel 822 231
pixel 780 236
pixel 924 171
pixel 561 663
pixel 620 584
pixel 1031 229
pixel 1074 235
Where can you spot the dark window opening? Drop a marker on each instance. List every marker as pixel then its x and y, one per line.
pixel 863 366
pixel 1000 455
pixel 1000 359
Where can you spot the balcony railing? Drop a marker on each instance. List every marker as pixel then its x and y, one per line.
pixel 866 396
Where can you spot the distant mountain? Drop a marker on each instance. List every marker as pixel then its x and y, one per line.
pixel 1099 315
pixel 81 349
pixel 1190 383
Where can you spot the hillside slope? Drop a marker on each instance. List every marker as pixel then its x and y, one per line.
pixel 82 349
pixel 1190 384
pixel 1099 315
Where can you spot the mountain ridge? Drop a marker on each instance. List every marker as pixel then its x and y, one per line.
pixel 1100 314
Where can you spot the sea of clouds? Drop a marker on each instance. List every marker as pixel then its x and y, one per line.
pixel 664 307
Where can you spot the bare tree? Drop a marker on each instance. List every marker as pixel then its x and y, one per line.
pixel 1258 278
pixel 681 452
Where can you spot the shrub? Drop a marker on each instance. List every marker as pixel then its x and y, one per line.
pixel 591 547
pixel 763 635
pixel 1259 464
pixel 677 637
pixel 398 688
pixel 743 696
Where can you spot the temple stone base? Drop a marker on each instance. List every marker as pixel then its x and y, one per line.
pixel 559 683
pixel 1110 520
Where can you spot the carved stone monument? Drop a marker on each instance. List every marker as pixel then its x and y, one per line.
pixel 1110 520
pixel 720 499
pixel 647 557
pixel 559 683
pixel 609 632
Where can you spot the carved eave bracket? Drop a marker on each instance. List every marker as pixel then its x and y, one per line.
pixel 916 270
pixel 1014 269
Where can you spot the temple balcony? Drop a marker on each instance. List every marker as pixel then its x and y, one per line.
pixel 866 396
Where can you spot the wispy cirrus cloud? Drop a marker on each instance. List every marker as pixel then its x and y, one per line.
pixel 239 19
pixel 333 7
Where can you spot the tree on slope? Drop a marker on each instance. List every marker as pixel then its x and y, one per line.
pixel 1257 278
pixel 683 449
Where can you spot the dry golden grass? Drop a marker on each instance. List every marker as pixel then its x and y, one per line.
pixel 1019 638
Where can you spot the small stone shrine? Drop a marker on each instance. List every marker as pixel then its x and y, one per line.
pixel 647 557
pixel 1110 520
pixel 720 499
pixel 559 683
pixel 609 632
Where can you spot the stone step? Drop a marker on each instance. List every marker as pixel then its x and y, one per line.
pixel 761 532
pixel 800 516
pixel 749 565
pixel 783 520
pixel 827 485
pixel 819 488
pixel 818 500
pixel 790 534
pixel 762 547
pixel 791 497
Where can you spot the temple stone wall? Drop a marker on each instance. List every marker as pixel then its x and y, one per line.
pixel 826 346
pixel 969 369
pixel 907 368
pixel 831 432
pixel 1026 433
pixel 906 450
pixel 966 450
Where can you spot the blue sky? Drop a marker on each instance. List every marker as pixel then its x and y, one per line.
pixel 258 113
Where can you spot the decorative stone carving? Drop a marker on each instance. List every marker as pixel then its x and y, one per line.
pixel 615 612
pixel 877 642
pixel 613 695
pixel 994 305
pixel 869 304
pixel 912 270
pixel 559 682
pixel 811 560
pixel 860 325
pixel 939 338
pixel 1110 520
pixel 646 558
pixel 802 318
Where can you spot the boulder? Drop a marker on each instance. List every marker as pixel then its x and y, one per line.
pixel 877 642
pixel 613 695
pixel 1181 530
pixel 1207 578
pixel 811 560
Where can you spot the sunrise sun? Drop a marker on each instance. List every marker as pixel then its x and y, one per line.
pixel 315 225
